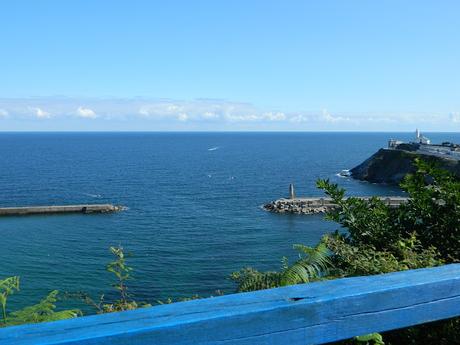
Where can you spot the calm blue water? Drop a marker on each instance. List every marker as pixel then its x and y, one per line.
pixel 193 214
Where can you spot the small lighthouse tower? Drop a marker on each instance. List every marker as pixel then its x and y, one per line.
pixel 291 191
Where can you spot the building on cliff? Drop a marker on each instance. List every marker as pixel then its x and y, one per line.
pixel 423 145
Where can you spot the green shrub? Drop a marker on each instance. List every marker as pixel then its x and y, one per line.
pixel 42 312
pixel 424 232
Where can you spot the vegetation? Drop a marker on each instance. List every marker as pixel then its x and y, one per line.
pixel 312 265
pixel 45 310
pixel 121 271
pixel 41 312
pixel 376 238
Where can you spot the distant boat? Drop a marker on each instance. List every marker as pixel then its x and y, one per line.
pixel 213 148
pixel 345 173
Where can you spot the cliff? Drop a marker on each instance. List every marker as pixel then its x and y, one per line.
pixel 390 166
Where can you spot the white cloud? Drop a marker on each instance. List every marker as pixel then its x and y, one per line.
pixel 182 117
pixel 455 117
pixel 40 113
pixel 241 118
pixel 199 110
pixel 278 116
pixel 333 119
pixel 86 113
pixel 164 110
pixel 299 118
pixel 208 114
pixel 254 116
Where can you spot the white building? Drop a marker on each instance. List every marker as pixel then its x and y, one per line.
pixel 419 138
pixel 393 143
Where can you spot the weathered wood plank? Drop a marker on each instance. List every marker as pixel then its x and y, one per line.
pixel 303 314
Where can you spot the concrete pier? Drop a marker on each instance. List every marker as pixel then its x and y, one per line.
pixel 311 205
pixel 90 208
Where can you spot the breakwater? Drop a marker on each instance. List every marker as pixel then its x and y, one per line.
pixel 318 205
pixel 90 208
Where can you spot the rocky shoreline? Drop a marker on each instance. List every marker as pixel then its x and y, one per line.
pixel 390 166
pixel 297 206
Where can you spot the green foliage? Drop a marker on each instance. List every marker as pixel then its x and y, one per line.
pixel 433 211
pixel 370 339
pixel 249 279
pixel 423 232
pixel 431 217
pixel 45 309
pixel 121 271
pixel 312 265
pixel 445 332
pixel 191 298
pixel 364 259
pixel 7 287
pixel 41 312
pixel 368 222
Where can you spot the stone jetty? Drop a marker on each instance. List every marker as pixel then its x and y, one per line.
pixel 318 205
pixel 90 208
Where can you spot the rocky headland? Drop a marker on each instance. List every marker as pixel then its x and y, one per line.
pixel 391 165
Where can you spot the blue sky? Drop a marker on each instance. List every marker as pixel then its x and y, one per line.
pixel 229 65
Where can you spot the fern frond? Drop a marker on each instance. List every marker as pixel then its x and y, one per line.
pixel 9 284
pixel 7 287
pixel 42 312
pixel 313 262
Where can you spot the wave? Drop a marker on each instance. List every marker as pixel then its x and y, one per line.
pixel 344 173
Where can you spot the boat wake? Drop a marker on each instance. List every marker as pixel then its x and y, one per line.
pixel 213 148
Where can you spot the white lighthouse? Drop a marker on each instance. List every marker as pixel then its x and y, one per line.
pixel 420 138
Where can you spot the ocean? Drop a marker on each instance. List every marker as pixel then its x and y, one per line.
pixel 193 205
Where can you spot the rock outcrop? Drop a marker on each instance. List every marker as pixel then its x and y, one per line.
pixel 390 166
pixel 296 206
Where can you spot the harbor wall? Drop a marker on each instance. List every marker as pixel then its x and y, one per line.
pixel 90 208
pixel 318 205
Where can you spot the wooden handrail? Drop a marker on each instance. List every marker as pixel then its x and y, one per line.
pixel 312 313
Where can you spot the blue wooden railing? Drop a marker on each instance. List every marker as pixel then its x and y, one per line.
pixel 313 313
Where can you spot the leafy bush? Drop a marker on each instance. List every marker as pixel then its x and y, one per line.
pixel 41 312
pixel 424 232
pixel 359 260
